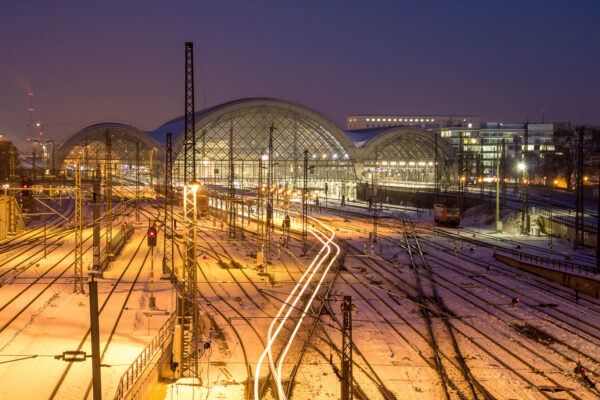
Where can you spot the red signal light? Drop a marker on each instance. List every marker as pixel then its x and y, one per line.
pixel 151 233
pixel 25 186
pixel 515 300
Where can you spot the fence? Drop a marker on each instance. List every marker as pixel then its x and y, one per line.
pixel 588 225
pixel 550 262
pixel 135 370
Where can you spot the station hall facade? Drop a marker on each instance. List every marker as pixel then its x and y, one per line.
pixel 241 130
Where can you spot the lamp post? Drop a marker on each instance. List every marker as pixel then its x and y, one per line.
pixel 524 207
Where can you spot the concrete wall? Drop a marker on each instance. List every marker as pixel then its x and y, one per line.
pixel 420 198
pixel 585 285
pixel 564 231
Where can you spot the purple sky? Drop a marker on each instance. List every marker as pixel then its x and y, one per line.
pixel 122 60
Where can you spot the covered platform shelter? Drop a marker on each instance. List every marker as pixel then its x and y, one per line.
pixel 337 160
pixel 133 152
pixel 267 140
pixel 403 156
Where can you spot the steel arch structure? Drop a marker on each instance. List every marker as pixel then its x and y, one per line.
pixel 296 129
pixel 406 155
pixel 130 146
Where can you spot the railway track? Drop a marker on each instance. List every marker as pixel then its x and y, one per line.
pixel 386 265
pixel 130 285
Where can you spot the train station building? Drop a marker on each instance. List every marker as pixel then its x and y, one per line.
pixel 337 160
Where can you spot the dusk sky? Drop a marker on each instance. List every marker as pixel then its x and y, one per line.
pixel 90 62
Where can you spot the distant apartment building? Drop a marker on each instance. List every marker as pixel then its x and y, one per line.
pixel 487 141
pixel 354 122
pixel 467 134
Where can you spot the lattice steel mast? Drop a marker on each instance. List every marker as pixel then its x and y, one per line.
pixel 305 205
pixel 168 223
pixel 231 201
pixel 347 380
pixel 108 194
pixel 189 296
pixel 78 266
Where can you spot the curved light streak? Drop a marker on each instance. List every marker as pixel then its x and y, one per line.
pixel 312 269
pixel 308 304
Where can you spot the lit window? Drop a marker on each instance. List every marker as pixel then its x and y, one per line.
pixel 368 119
pixel 421 119
pixel 395 119
pixel 470 125
pixel 378 119
pixel 411 120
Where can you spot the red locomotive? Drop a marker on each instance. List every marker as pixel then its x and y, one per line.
pixel 444 215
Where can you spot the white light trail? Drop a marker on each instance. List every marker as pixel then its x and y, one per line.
pixel 312 270
pixel 309 303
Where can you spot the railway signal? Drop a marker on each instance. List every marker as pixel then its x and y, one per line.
pixel 152 236
pixel 515 300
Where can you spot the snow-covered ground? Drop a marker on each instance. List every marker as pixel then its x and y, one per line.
pixel 521 351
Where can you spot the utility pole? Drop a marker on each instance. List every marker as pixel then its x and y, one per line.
pixel 525 184
pixel 461 178
pixel 96 220
pixel 95 336
pixel 498 223
pixel 436 189
pixel 579 210
pixel 259 213
pixel 108 194
pixel 231 199
pixel 598 230
pixel 137 182
pixel 188 310
pixel 503 172
pixel 11 170
pixel 347 349
pixel 270 191
pixel 168 267
pixel 480 176
pixel 78 230
pixel 305 205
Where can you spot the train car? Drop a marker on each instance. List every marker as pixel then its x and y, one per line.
pixel 444 215
pixel 202 205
